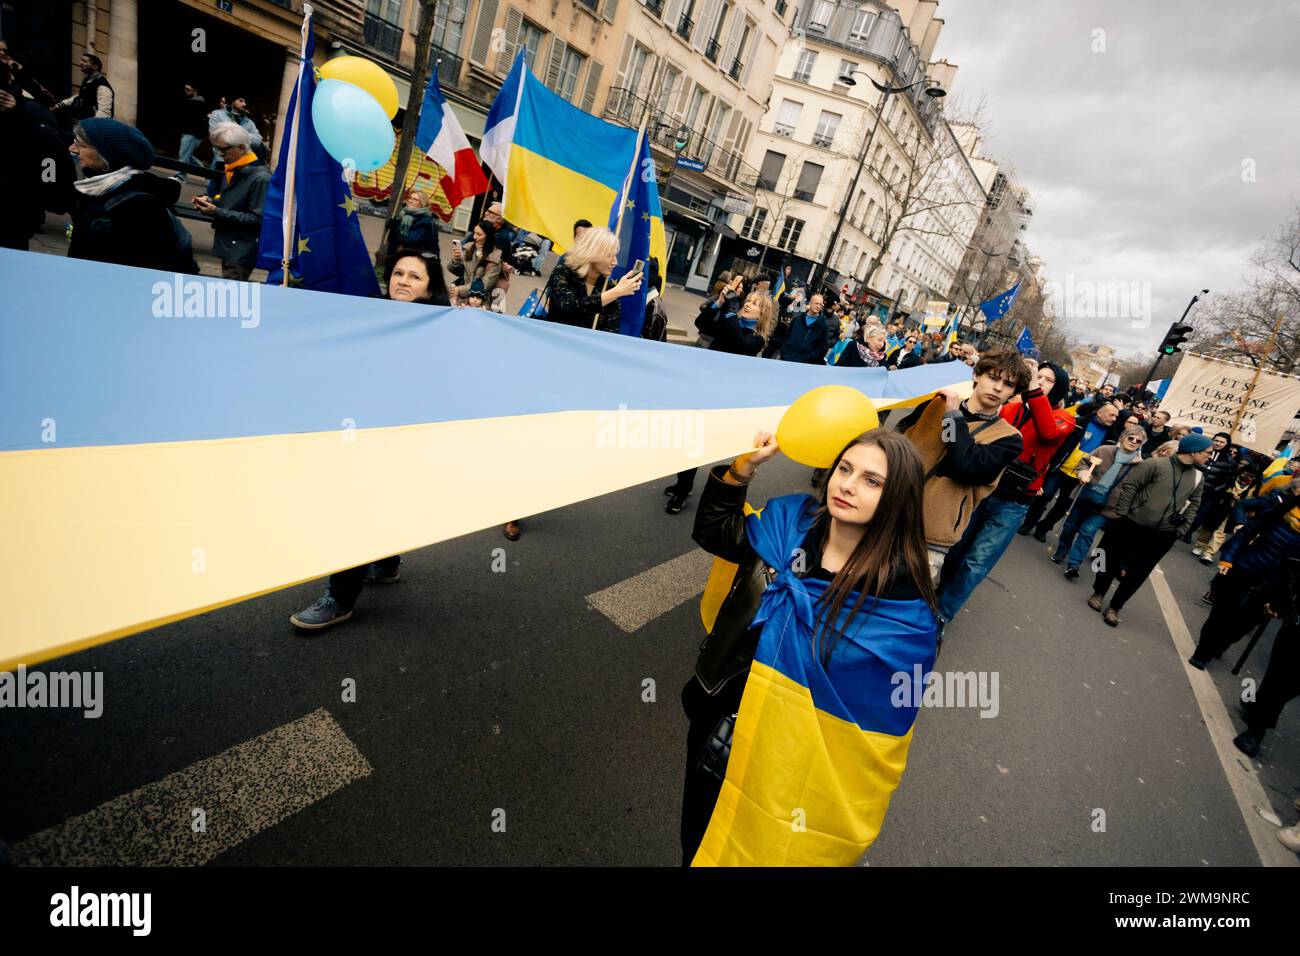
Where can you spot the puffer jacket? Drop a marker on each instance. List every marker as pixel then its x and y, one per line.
pixel 728 650
pixel 1220 471
pixel 1267 541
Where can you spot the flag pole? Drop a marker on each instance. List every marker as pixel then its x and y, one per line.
pixel 286 220
pixel 623 194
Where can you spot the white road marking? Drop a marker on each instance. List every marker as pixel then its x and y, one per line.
pixel 635 602
pixel 252 786
pixel 1243 780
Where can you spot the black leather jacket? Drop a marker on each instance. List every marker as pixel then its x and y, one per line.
pixel 729 648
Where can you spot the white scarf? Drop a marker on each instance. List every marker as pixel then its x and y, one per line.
pixel 106 182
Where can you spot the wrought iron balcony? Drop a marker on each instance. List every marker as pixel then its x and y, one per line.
pixel 383 36
pixel 727 165
pixel 684 27
pixel 736 67
pixel 781 129
pixel 822 140
pixel 711 51
pixel 450 69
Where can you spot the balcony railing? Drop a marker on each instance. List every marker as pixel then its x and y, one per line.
pixel 711 51
pixel 801 77
pixel 624 106
pixel 449 71
pixel 684 27
pixel 781 129
pixel 383 36
pixel 736 67
pixel 822 140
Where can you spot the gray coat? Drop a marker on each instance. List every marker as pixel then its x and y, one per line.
pixel 238 216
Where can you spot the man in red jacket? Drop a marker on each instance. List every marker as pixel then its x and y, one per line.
pixel 1043 425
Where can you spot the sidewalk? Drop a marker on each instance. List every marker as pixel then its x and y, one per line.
pixel 680 304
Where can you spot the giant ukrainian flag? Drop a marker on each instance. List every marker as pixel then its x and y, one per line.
pixel 558 164
pixel 172 444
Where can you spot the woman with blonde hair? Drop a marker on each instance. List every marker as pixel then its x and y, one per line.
pixel 579 289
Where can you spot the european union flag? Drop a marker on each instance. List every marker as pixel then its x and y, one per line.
pixel 999 305
pixel 1025 344
pixel 638 201
pixel 327 250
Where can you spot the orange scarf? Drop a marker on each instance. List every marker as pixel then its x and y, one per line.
pixel 231 167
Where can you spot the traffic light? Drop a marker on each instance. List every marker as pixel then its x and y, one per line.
pixel 1174 338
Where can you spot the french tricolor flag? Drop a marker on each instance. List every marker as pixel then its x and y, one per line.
pixel 442 139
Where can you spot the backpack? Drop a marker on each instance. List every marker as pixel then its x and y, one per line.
pixel 656 324
pixel 181 258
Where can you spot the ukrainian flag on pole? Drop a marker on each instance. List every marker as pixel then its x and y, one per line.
pixel 558 164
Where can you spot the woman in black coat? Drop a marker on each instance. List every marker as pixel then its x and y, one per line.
pixel 579 289
pixel 742 332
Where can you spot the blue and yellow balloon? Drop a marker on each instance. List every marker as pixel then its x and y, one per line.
pixel 822 421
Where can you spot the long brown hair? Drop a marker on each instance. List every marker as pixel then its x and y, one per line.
pixel 894 538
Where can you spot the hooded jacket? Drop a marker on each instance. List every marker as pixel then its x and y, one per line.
pixel 1268 540
pixel 1043 428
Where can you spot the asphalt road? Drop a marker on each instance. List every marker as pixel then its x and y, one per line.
pixel 500 718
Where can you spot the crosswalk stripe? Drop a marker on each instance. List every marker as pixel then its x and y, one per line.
pixel 635 602
pixel 246 789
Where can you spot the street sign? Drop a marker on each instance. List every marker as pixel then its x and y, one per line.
pixel 695 164
pixel 737 205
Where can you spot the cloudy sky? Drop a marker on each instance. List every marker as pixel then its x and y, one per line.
pixel 1134 155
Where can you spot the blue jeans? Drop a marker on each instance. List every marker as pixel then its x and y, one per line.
pixel 991 531
pixel 1080 529
pixel 188 145
pixel 543 254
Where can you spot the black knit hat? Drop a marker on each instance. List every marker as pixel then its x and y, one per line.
pixel 120 145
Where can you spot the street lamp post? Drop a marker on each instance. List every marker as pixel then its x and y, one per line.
pixel 1160 355
pixel 932 88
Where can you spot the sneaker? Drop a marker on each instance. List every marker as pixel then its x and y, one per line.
pixel 1094 602
pixel 377 575
pixel 671 491
pixel 1207 559
pixel 1247 743
pixel 1040 537
pixel 324 613
pixel 1071 574
pixel 1110 616
pixel 675 505
pixel 1197 662
pixel 1289 837
pixel 1056 558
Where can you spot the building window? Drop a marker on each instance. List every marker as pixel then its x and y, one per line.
pixel 787 118
pixel 382 26
pixel 449 24
pixel 810 176
pixel 770 174
pixel 754 223
pixel 804 70
pixel 667 87
pixel 530 38
pixel 570 65
pixel 862 24
pixel 827 124
pixel 821 16
pixel 846 68
pixel 790 233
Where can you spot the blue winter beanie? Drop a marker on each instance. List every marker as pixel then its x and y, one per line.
pixel 120 145
pixel 1193 443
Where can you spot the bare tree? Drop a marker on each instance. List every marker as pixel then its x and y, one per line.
pixel 1240 325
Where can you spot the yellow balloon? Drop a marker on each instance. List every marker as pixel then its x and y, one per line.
pixel 821 422
pixel 366 74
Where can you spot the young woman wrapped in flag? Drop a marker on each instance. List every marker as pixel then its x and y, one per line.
pixel 798 735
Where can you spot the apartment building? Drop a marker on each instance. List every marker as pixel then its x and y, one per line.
pixel 910 216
